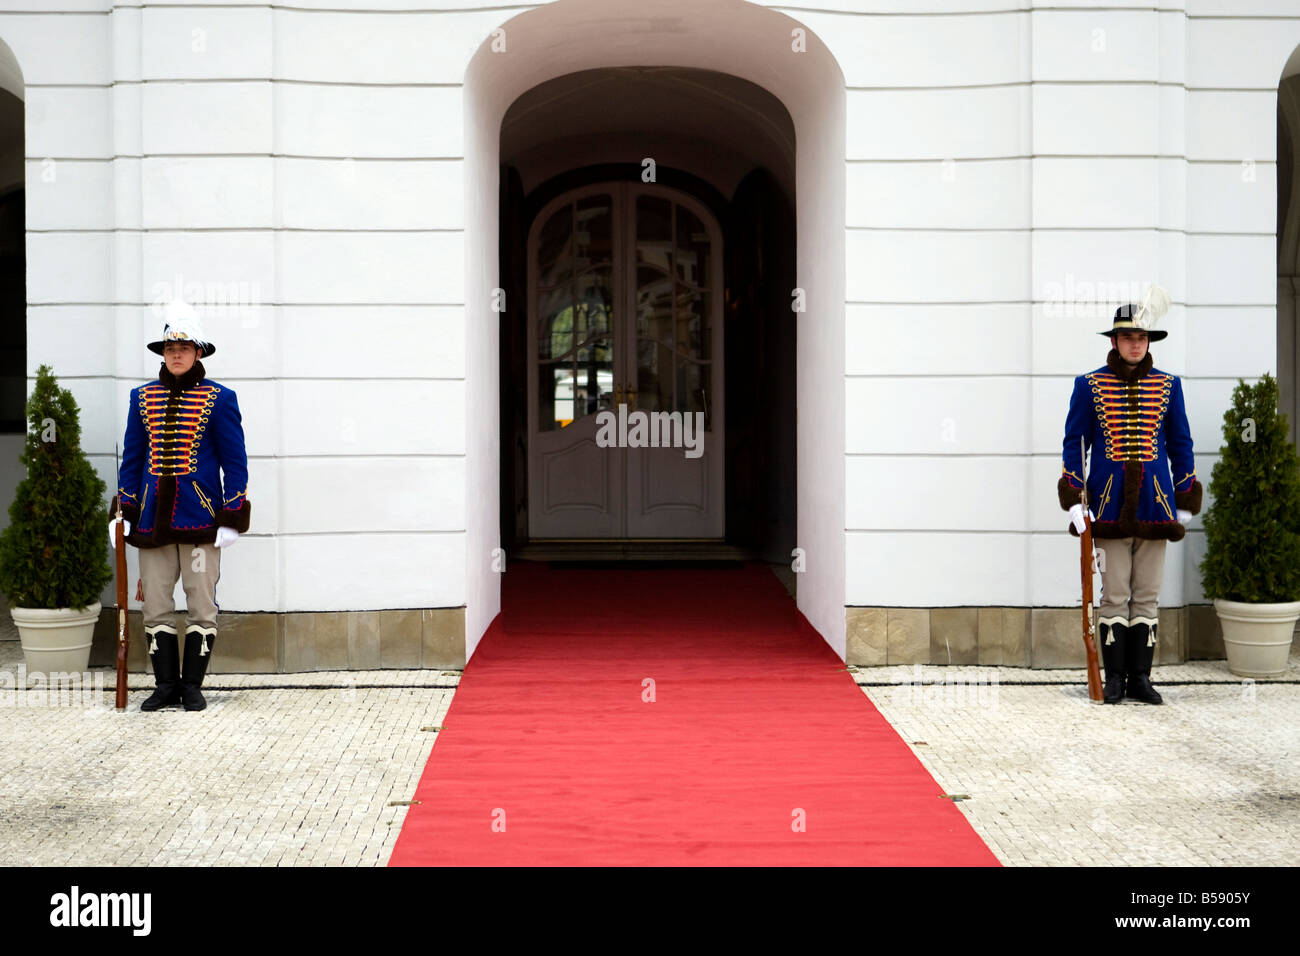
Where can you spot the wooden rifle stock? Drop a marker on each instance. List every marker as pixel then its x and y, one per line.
pixel 121 610
pixel 1089 630
pixel 1086 567
pixel 120 554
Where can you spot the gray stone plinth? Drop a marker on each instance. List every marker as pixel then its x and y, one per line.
pixel 1041 637
pixel 867 635
pixel 298 642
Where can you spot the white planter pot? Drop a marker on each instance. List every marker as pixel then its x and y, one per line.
pixel 1257 637
pixel 56 641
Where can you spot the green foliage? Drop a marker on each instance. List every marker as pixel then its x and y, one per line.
pixel 1252 531
pixel 52 553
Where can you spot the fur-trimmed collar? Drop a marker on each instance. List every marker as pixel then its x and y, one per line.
pixel 1122 370
pixel 182 382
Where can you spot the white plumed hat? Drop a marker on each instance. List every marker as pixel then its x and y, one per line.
pixel 182 325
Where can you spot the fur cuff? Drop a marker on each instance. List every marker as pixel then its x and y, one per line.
pixel 1068 494
pixel 1149 530
pixel 1189 500
pixel 235 518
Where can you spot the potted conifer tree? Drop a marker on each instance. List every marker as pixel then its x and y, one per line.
pixel 1252 533
pixel 52 561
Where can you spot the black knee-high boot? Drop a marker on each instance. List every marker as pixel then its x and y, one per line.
pixel 1141 652
pixel 1114 639
pixel 165 658
pixel 198 647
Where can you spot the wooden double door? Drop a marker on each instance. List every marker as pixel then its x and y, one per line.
pixel 624 308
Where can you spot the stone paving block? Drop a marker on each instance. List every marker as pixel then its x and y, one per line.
pixel 300 642
pixel 332 640
pixel 908 636
pixel 1003 636
pixel 246 644
pixel 1056 638
pixel 363 639
pixel 1171 636
pixel 443 638
pixel 1205 634
pixel 401 634
pixel 953 635
pixel 867 636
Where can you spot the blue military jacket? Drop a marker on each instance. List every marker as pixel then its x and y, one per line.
pixel 182 434
pixel 1134 416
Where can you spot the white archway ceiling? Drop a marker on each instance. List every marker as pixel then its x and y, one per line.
pixel 732 123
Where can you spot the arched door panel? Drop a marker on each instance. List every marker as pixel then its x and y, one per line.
pixel 625 317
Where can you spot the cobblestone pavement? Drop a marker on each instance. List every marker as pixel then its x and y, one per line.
pixel 305 774
pixel 1209 778
pixel 263 777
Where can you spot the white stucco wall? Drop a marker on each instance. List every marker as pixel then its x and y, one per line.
pixel 319 153
pixel 1086 145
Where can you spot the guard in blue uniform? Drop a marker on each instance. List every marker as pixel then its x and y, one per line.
pixel 183 487
pixel 1134 415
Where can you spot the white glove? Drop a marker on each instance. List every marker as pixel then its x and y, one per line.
pixel 112 532
pixel 226 537
pixel 1076 515
pixel 1184 516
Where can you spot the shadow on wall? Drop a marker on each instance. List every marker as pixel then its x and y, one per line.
pixel 13 300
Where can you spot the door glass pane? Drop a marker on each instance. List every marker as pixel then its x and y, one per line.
pixel 654 377
pixel 673 335
pixel 654 342
pixel 654 306
pixel 695 381
pixel 575 309
pixel 692 253
pixel 593 239
pixel 691 324
pixel 570 390
pixel 555 331
pixel 595 304
pixel 553 248
pixel 654 232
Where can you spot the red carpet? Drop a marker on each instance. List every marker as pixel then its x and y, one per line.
pixel 754 719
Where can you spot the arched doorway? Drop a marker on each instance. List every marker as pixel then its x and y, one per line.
pixel 625 317
pixel 767 49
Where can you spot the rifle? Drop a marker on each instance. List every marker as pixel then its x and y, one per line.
pixel 1087 566
pixel 122 639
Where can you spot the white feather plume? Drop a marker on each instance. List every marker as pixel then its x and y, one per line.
pixel 1154 305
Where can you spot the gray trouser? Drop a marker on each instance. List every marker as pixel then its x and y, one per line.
pixel 1130 583
pixel 198 566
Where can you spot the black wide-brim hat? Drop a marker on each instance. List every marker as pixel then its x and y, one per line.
pixel 1124 323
